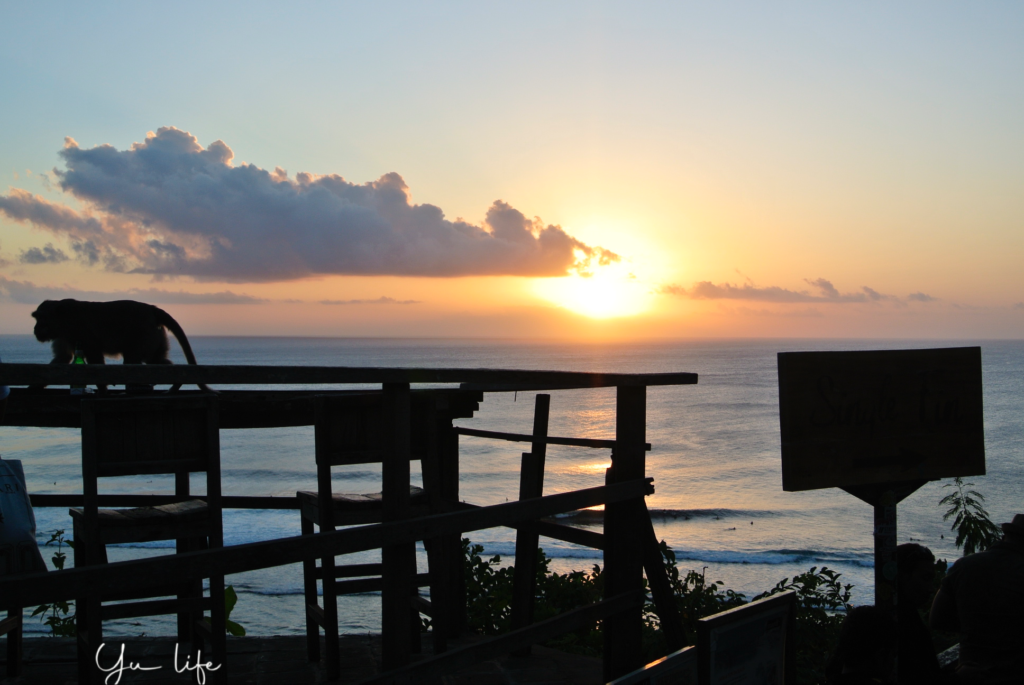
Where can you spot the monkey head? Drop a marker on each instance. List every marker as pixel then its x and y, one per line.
pixel 47 321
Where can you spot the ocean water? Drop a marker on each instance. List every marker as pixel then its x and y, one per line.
pixel 716 463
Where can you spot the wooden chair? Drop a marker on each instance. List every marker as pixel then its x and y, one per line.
pixel 351 430
pixel 141 436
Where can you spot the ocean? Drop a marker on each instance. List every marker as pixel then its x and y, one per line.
pixel 716 463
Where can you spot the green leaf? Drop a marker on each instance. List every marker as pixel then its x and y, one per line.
pixel 230 599
pixel 234 628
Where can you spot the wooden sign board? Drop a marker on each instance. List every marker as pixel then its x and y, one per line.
pixel 857 418
pixel 753 643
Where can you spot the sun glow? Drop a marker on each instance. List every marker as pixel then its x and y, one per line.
pixel 609 292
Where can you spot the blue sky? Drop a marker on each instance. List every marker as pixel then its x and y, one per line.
pixel 759 146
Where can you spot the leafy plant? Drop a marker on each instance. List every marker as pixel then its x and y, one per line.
pixel 488 591
pixel 975 531
pixel 821 604
pixel 230 600
pixel 60 618
pixel 695 599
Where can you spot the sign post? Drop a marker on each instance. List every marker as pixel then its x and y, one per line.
pixel 879 425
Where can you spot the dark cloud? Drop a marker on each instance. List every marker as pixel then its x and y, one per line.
pixel 43 255
pixel 25 292
pixel 706 290
pixel 921 297
pixel 169 207
pixel 379 300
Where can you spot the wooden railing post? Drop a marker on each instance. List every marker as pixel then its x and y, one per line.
pixel 399 560
pixel 623 527
pixel 531 485
pixel 451 545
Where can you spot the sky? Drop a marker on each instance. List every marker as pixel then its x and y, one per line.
pixel 572 170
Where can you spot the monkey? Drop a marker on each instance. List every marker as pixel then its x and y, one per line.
pixel 135 331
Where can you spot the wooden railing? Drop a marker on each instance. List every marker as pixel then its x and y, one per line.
pixel 628 541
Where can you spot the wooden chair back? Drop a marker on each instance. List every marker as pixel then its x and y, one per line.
pixel 349 429
pixel 151 435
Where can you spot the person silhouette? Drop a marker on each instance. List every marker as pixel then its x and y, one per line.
pixel 918 663
pixel 982 598
pixel 866 650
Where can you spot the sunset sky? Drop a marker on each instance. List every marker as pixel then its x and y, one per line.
pixel 537 170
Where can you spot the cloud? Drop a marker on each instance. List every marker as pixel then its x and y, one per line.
pixel 25 292
pixel 170 207
pixel 921 297
pixel 706 290
pixel 43 255
pixel 379 300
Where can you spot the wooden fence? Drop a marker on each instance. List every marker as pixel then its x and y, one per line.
pixel 628 541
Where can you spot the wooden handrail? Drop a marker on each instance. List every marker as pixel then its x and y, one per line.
pixel 166 374
pixel 37 588
pixel 550 440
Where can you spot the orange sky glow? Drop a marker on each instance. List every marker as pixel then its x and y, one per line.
pixel 588 172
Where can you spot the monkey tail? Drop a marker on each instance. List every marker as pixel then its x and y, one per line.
pixel 168 322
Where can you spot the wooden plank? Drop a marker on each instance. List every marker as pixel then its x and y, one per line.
pixel 577 536
pixel 856 418
pixel 674 665
pixel 114 501
pixel 531 486
pixel 623 550
pixel 55 408
pixel 156 607
pixel 38 588
pixel 166 374
pixel 550 440
pixel 557 531
pixel 448 548
pixel 430 670
pixel 398 558
pixel 661 590
pixel 438 562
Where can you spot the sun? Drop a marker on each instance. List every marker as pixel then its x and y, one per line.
pixel 610 292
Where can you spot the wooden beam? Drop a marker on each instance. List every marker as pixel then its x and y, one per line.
pixel 187 374
pixel 623 538
pixel 661 589
pixel 531 486
pixel 239 409
pixel 549 440
pixel 109 501
pixel 557 531
pixel 37 588
pixel 399 558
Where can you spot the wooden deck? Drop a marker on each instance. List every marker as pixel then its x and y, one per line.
pixel 282 661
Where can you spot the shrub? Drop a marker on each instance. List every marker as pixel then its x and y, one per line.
pixel 821 602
